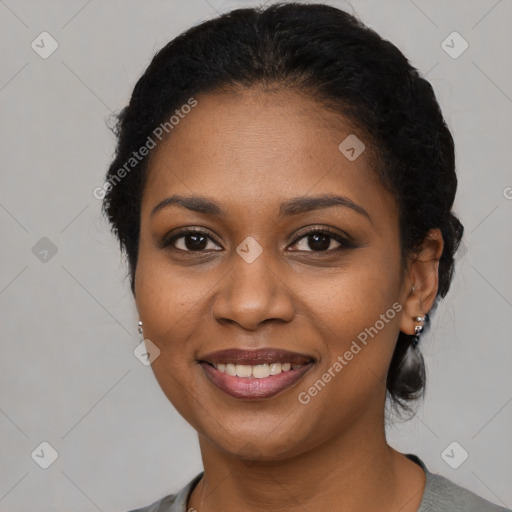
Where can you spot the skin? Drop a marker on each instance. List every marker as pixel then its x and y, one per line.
pixel 249 151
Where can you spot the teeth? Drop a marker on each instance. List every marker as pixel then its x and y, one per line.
pixel 230 369
pixel 243 370
pixel 261 371
pixel 258 371
pixel 275 368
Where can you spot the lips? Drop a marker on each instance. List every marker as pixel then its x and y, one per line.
pixel 253 374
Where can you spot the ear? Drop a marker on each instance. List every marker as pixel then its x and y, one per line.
pixel 423 275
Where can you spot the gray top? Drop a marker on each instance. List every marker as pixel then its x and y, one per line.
pixel 440 495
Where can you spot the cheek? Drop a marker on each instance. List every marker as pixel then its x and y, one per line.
pixel 357 312
pixel 168 305
pixel 354 297
pixel 169 299
pixel 359 336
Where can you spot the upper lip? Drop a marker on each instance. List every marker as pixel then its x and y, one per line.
pixel 255 357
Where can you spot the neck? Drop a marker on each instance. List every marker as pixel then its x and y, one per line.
pixel 356 471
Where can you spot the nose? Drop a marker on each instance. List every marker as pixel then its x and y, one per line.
pixel 253 293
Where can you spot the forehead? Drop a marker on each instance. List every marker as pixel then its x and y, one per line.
pixel 254 147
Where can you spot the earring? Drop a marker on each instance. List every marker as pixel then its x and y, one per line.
pixel 139 327
pixel 417 330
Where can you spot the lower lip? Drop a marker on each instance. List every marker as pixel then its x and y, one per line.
pixel 252 388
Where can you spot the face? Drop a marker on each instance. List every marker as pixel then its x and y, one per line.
pixel 299 299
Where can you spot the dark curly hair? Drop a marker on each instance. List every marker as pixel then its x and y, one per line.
pixel 331 57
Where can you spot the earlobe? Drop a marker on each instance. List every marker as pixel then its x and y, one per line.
pixel 413 315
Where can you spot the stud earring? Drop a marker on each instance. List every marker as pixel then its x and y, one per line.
pixel 417 330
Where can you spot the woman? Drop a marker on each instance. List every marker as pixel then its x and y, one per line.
pixel 283 187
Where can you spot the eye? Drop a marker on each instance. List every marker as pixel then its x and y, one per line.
pixel 189 240
pixel 316 240
pixel 320 240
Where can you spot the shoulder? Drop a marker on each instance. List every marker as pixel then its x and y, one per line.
pixel 161 505
pixel 443 495
pixel 172 502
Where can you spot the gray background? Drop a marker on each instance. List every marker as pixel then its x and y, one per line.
pixel 68 324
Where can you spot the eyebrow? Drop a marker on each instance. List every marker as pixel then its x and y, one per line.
pixel 293 206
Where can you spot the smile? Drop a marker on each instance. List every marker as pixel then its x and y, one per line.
pixel 253 374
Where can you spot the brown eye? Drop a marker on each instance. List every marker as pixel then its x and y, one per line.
pixel 320 240
pixel 190 241
pixel 193 242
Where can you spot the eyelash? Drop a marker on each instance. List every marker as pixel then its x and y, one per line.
pixel 344 241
